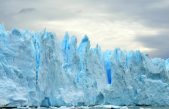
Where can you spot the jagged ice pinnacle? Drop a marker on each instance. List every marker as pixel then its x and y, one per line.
pixel 37 69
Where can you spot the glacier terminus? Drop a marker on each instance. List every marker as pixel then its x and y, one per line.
pixel 38 69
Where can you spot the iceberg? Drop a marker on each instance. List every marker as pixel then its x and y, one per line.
pixel 37 69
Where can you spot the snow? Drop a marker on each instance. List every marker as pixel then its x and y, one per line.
pixel 37 69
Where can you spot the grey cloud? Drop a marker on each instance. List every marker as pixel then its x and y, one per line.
pixel 159 42
pixel 13 12
pixel 153 13
pixel 26 10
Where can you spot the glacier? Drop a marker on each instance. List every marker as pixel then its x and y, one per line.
pixel 38 69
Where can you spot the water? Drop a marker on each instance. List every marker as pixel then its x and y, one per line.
pixel 96 107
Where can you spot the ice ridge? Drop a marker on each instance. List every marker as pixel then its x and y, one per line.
pixel 37 69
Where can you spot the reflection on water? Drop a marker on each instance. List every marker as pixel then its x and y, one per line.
pixel 94 107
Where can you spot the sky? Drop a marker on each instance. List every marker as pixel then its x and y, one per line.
pixel 127 24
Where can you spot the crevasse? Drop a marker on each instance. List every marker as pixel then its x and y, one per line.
pixel 37 69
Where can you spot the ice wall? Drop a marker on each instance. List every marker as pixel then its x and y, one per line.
pixel 37 69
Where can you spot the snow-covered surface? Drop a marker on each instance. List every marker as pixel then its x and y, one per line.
pixel 37 69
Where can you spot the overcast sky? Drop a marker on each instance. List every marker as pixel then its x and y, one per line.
pixel 127 24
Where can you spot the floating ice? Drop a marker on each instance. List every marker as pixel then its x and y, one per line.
pixel 36 69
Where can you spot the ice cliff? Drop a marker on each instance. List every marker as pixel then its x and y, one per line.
pixel 37 69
